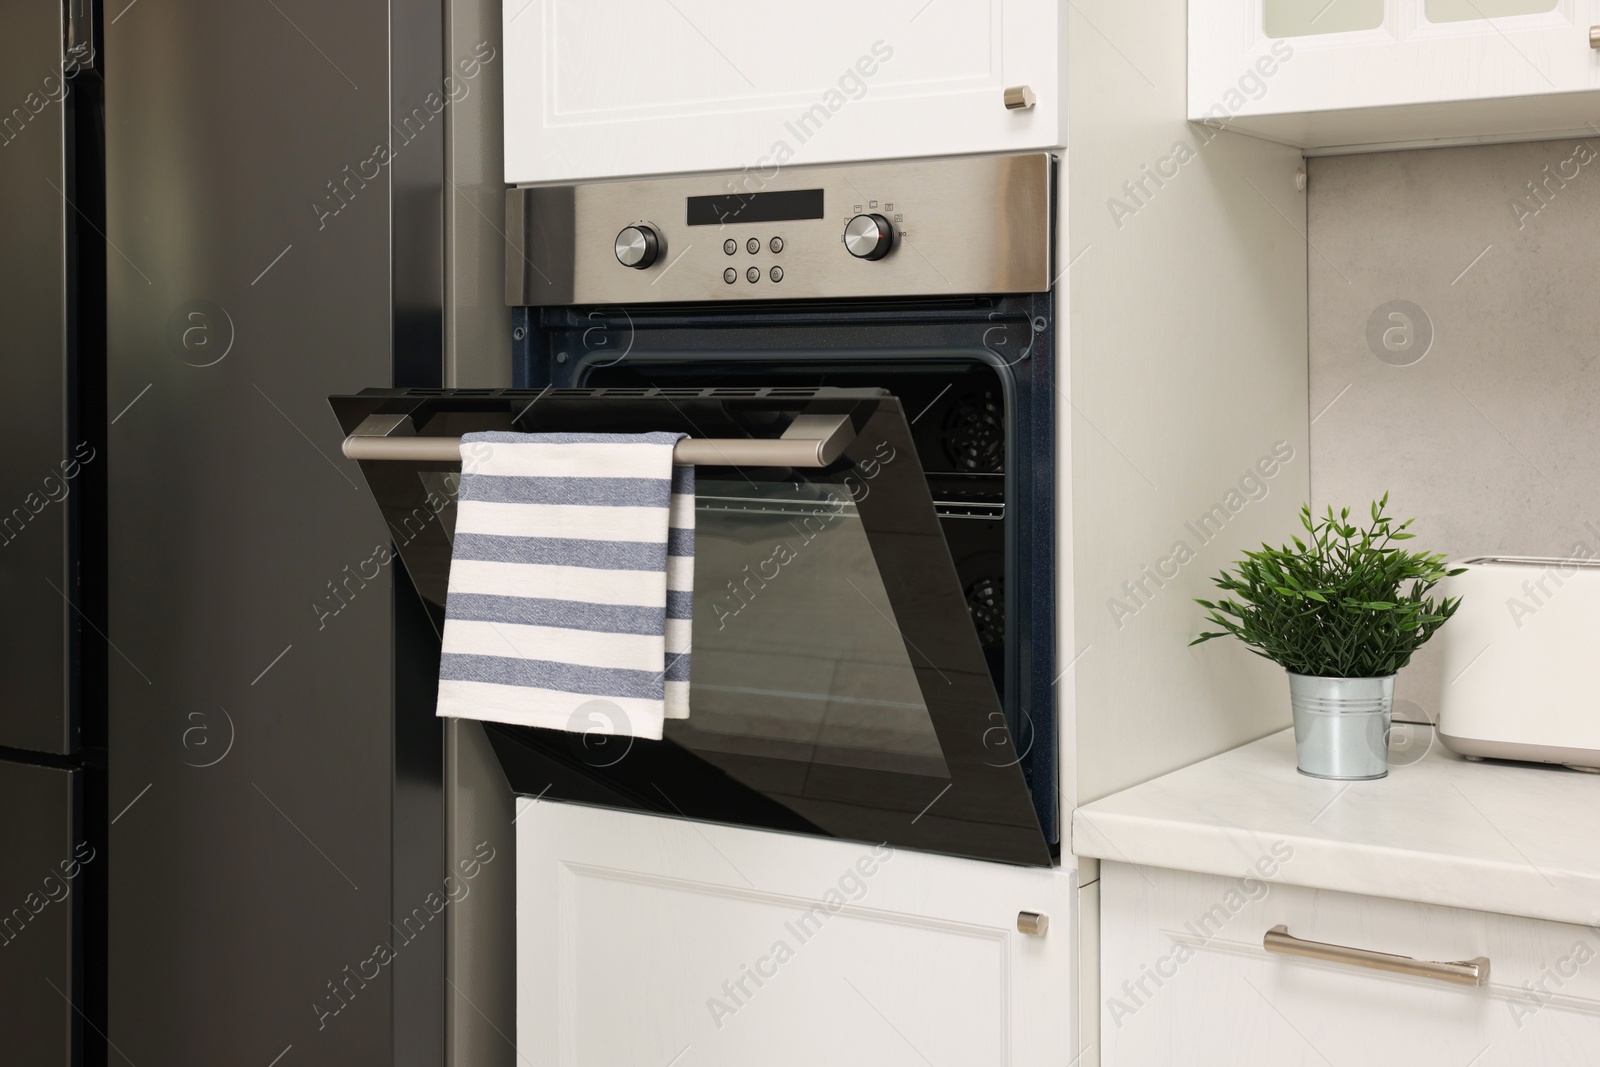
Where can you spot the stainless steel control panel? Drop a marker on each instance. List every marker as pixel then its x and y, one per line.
pixel 977 224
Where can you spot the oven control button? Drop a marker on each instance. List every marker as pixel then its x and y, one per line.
pixel 730 246
pixel 753 274
pixel 776 244
pixel 753 245
pixel 638 246
pixel 868 236
pixel 730 275
pixel 776 274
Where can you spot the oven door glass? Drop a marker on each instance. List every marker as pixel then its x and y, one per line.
pixel 798 657
pixel 838 684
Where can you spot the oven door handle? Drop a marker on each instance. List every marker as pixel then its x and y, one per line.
pixel 810 441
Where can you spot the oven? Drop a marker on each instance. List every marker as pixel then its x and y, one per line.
pixel 862 359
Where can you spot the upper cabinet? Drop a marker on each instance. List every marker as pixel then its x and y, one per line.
pixel 613 88
pixel 1330 74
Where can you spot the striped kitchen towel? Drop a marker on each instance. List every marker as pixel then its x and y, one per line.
pixel 571 583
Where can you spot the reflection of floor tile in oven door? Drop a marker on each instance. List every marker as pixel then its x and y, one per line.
pixel 877 712
pixel 769 695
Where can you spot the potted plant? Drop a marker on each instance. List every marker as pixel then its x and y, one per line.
pixel 1342 614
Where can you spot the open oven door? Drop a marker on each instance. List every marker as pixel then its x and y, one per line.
pixel 838 684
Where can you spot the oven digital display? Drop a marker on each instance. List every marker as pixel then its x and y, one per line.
pixel 787 206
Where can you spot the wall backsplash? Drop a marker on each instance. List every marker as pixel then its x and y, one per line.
pixel 1454 330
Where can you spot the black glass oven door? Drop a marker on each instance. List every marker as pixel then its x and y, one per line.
pixel 838 682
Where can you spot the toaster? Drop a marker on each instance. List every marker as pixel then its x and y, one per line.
pixel 1522 661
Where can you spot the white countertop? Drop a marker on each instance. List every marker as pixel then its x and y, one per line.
pixel 1501 837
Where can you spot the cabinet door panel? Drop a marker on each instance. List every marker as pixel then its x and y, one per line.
pixel 640 937
pixel 1473 10
pixel 604 88
pixel 1185 979
pixel 1304 18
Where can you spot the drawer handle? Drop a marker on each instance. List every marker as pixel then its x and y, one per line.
pixel 1594 36
pixel 1464 972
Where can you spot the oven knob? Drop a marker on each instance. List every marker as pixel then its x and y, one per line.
pixel 868 236
pixel 638 246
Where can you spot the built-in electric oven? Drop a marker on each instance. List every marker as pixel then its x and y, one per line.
pixel 863 360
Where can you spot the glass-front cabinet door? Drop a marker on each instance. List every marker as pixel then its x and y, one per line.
pixel 1356 73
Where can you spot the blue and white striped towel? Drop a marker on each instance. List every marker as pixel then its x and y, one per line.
pixel 571 582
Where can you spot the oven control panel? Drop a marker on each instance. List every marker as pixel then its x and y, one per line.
pixel 971 225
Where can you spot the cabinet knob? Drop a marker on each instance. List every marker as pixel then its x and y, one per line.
pixel 1032 923
pixel 1021 98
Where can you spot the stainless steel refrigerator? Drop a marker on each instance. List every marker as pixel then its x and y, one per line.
pixel 53 857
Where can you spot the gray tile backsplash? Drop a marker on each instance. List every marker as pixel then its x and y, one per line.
pixel 1454 328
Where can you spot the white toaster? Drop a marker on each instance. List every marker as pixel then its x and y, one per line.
pixel 1522 661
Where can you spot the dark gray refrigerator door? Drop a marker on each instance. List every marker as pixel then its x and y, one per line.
pixel 40 883
pixel 265 804
pixel 37 477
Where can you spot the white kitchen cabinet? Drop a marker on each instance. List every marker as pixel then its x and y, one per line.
pixel 644 940
pixel 1185 979
pixel 611 88
pixel 1362 73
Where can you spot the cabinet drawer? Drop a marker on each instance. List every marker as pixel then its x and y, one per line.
pixel 1185 978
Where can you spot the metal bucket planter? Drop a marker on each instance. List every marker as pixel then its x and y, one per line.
pixel 1341 725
